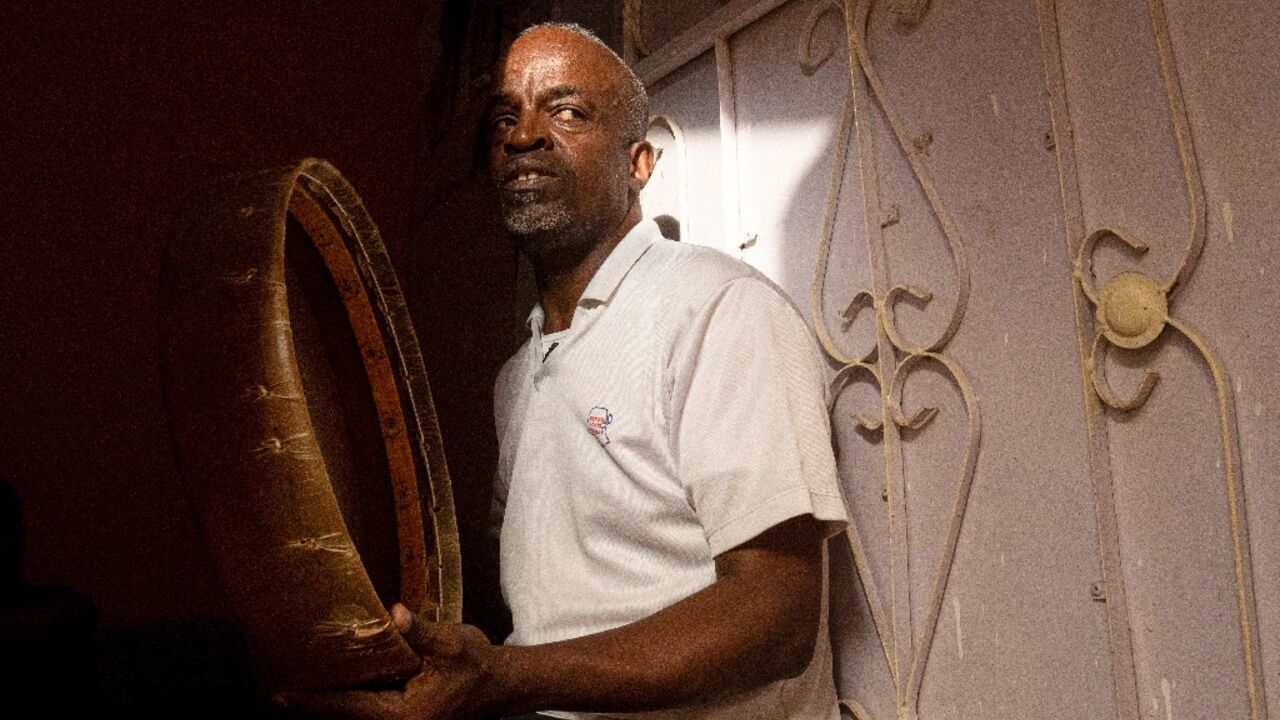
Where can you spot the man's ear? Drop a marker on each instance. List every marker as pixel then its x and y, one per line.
pixel 643 158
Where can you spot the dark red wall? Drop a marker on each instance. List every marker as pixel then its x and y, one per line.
pixel 112 113
pixel 115 111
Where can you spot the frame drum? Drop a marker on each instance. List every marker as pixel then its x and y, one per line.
pixel 304 428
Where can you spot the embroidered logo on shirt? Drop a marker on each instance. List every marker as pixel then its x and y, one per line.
pixel 598 421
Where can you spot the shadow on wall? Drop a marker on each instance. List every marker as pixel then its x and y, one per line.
pixel 46 633
pixel 123 109
pixel 58 662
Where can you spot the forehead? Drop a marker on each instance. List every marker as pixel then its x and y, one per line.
pixel 554 58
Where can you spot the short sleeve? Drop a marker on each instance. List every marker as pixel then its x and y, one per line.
pixel 750 429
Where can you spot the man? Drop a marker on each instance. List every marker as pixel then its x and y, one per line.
pixel 666 477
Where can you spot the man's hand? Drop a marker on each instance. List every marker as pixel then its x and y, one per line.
pixel 455 682
pixel 755 624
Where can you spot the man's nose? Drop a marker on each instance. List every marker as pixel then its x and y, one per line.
pixel 529 133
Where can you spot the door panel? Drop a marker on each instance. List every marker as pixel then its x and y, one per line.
pixel 1184 539
pixel 1025 548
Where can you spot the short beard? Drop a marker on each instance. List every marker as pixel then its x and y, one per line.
pixel 550 235
pixel 551 220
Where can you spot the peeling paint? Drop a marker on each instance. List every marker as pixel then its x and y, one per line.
pixel 354 625
pixel 1228 221
pixel 259 392
pixel 241 278
pixel 1166 688
pixel 995 105
pixel 334 542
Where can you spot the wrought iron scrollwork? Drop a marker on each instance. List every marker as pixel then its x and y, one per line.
pixel 894 356
pixel 1131 310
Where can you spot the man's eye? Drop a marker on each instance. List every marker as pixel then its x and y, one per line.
pixel 566 114
pixel 502 122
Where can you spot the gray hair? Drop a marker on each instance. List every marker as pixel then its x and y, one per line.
pixel 635 100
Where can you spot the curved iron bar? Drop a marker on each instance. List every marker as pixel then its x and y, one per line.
pixel 1246 610
pixel 845 376
pixel 924 639
pixel 1186 151
pixel 838 165
pixel 883 630
pixel 1190 171
pixel 1083 265
pixel 891 318
pixel 804 53
pixel 1098 376
pixel 850 313
pixel 856 709
pixel 856 15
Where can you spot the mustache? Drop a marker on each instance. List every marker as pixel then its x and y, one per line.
pixel 545 165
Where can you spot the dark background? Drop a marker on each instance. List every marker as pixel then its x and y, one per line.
pixel 112 114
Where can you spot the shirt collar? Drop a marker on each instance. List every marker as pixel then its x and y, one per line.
pixel 615 267
pixel 620 261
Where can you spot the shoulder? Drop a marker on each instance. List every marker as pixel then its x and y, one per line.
pixel 694 268
pixel 691 279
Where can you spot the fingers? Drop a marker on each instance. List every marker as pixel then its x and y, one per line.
pixel 402 617
pixel 345 705
pixel 360 704
pixel 431 639
pixel 419 633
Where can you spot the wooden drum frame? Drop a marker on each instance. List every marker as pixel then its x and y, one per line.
pixel 322 499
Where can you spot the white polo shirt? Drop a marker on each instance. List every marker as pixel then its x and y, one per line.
pixel 681 414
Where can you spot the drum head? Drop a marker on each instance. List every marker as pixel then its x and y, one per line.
pixel 304 428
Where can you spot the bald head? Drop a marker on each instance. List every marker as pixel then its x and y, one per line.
pixel 633 100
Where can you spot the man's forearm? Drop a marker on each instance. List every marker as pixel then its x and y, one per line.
pixel 757 623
